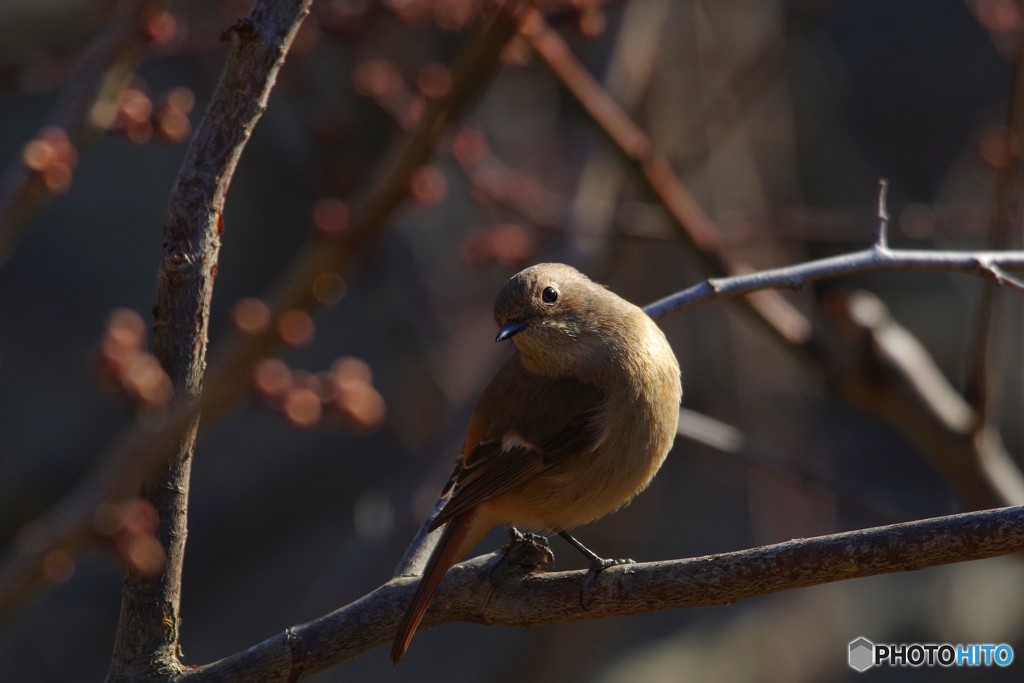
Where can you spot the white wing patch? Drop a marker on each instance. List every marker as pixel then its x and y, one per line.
pixel 512 440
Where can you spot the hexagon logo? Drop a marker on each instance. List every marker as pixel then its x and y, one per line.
pixel 862 654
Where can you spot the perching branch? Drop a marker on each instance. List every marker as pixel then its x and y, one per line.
pixel 148 630
pixel 486 591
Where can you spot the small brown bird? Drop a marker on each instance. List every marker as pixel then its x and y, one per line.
pixel 573 426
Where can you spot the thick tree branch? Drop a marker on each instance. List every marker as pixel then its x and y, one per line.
pixel 148 630
pixel 484 590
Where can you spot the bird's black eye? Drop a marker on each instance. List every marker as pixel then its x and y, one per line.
pixel 549 295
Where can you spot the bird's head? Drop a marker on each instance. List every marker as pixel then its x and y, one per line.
pixel 557 317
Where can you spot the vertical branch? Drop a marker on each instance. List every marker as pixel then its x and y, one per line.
pixel 148 631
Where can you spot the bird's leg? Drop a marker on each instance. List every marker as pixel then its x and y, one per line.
pixel 528 550
pixel 597 564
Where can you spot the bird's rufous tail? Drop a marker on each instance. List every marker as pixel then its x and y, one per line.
pixel 455 541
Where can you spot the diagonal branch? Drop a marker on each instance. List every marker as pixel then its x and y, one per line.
pixel 484 590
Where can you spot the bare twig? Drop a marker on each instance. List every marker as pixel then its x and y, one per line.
pixel 148 630
pixel 1002 278
pixel 84 111
pixel 882 229
pixel 988 264
pixel 476 591
pixel 144 448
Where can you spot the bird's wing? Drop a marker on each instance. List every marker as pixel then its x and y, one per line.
pixel 523 425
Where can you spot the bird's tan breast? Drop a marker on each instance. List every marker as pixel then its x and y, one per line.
pixel 638 418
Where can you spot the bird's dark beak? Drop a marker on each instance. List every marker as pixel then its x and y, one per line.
pixel 509 330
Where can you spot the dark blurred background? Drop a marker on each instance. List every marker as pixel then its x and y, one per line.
pixel 779 116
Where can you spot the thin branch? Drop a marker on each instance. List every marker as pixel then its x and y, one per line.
pixel 148 630
pixel 144 448
pixel 882 229
pixel 987 264
pixel 1002 278
pixel 486 591
pixel 84 110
